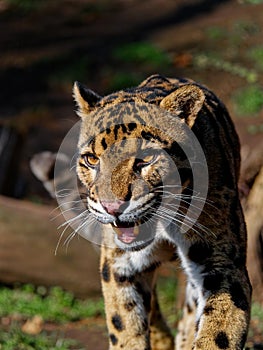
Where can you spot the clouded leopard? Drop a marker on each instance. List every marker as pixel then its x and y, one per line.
pixel 159 164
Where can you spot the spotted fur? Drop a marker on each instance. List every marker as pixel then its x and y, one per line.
pixel 126 159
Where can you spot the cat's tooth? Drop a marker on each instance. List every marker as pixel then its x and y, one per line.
pixel 136 230
pixel 114 223
pixel 117 230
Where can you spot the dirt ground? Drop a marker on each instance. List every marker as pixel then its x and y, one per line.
pixel 44 49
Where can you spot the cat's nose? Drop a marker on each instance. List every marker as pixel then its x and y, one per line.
pixel 114 208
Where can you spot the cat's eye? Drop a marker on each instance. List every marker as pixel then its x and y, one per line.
pixel 90 160
pixel 146 160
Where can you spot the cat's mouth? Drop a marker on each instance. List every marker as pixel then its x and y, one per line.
pixel 127 231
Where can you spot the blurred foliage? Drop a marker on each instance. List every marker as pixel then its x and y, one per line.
pixel 237 33
pixel 213 61
pixel 132 62
pixel 216 32
pixel 238 59
pixel 97 7
pixel 70 71
pixel 25 5
pixel 254 129
pixel 142 52
pixel 256 54
pixel 245 28
pixel 234 39
pixel 248 101
pixel 251 2
pixel 122 79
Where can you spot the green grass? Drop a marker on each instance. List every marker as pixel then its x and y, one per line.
pixel 54 305
pixel 249 100
pixel 15 339
pixel 58 306
pixel 167 290
pixel 216 33
pixel 209 60
pixel 257 314
pixel 142 53
pixel 256 54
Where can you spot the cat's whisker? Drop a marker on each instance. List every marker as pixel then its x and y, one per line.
pixel 63 212
pixel 195 194
pixel 64 204
pixel 182 219
pixel 185 199
pixel 168 194
pixel 185 218
pixel 69 223
pixel 69 239
pixel 74 219
pixel 60 238
pixel 65 192
pixel 195 211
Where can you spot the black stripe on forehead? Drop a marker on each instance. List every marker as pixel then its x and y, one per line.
pixel 124 129
pixel 132 126
pixel 120 113
pixel 109 115
pixel 104 143
pixel 135 111
pixel 115 131
pixel 151 136
pixel 121 120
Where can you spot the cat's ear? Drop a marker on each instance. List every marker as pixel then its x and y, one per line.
pixel 186 102
pixel 84 98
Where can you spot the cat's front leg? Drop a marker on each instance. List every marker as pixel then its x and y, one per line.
pixel 224 320
pixel 222 299
pixel 127 304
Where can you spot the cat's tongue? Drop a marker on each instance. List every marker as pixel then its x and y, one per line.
pixel 127 234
